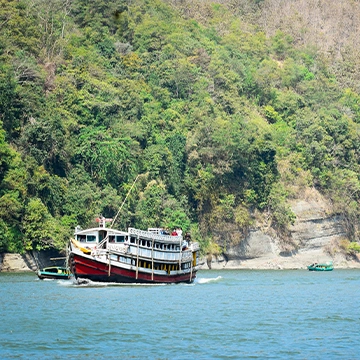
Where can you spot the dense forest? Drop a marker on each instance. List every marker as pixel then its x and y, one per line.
pixel 221 111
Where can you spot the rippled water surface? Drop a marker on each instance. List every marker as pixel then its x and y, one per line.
pixel 223 315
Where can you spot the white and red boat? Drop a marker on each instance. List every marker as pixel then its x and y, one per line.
pixel 133 256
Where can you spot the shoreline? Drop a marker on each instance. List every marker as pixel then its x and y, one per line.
pixel 12 263
pixel 299 261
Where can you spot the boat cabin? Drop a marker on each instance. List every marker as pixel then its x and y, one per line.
pixel 96 235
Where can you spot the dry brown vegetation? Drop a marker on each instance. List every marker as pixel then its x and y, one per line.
pixel 331 26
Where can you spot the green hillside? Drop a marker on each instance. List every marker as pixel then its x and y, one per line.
pixel 222 117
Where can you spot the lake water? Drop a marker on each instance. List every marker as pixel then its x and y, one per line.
pixel 223 315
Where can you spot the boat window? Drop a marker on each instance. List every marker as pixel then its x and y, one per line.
pixel 132 240
pixel 81 238
pixel 120 238
pixel 90 238
pixel 111 238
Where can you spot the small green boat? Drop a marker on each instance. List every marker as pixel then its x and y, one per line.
pixel 54 272
pixel 321 267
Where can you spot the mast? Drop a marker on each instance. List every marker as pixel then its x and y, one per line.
pixel 113 222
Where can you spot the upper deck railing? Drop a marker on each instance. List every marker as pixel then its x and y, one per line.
pixel 153 236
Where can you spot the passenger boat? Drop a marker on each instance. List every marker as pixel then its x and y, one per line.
pixel 54 272
pixel 133 256
pixel 321 267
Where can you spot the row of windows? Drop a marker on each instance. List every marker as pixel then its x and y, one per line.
pixel 148 265
pixel 158 246
pixel 186 266
pixel 116 238
pixel 122 239
pixel 92 238
pixel 86 238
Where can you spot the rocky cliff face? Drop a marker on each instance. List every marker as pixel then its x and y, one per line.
pixel 30 261
pixel 314 236
pixel 315 228
pixel 16 263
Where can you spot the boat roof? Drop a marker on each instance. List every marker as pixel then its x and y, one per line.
pixel 100 228
pixel 143 234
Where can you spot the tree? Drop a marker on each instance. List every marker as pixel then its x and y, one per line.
pixel 106 158
pixel 38 226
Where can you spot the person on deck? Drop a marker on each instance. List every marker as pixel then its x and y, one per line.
pixel 188 237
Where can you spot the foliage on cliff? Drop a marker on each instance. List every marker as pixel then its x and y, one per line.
pixel 221 116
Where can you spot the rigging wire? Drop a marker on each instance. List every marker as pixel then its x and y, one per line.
pixel 113 222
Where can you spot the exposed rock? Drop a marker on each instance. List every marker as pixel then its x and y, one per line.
pixel 315 231
pixel 315 227
pixel 30 261
pixel 256 244
pixel 14 263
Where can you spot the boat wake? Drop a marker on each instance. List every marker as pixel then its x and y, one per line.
pixel 93 284
pixel 208 280
pixel 66 283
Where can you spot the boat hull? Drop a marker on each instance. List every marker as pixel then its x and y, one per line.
pixel 90 268
pixel 320 269
pixel 42 276
pixel 60 273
